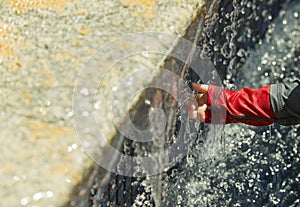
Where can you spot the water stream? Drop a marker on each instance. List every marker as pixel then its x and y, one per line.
pixel 251 43
pixel 258 166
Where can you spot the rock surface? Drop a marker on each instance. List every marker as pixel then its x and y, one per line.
pixel 43 47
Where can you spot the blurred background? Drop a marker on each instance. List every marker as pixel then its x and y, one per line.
pixel 45 44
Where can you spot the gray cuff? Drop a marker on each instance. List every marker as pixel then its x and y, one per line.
pixel 285 101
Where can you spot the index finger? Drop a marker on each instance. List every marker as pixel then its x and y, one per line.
pixel 203 88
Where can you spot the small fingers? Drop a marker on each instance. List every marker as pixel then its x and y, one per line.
pixel 201 98
pixel 201 112
pixel 197 113
pixel 202 88
pixel 192 112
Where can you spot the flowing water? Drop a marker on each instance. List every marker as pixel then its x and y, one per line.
pixel 251 43
pixel 258 166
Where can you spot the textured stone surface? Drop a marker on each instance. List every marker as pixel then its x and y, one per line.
pixel 43 46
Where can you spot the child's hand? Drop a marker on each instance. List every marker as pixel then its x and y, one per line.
pixel 198 112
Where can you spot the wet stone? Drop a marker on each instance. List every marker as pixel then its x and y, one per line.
pixel 43 47
pixel 253 168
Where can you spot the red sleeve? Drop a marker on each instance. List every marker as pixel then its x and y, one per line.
pixel 249 106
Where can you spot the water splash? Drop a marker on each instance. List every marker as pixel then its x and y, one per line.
pixel 249 167
pixel 259 166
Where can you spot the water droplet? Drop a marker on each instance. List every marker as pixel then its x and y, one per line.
pixel 284 22
pixel 147 101
pixel 16 178
pixel 25 201
pixel 38 196
pixel 69 149
pixel 97 104
pixel 49 194
pixel 145 53
pixel 296 14
pixel 114 88
pixel 84 91
pixel 74 146
pixel 70 114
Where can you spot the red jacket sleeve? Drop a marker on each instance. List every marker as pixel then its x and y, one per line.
pixel 249 106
